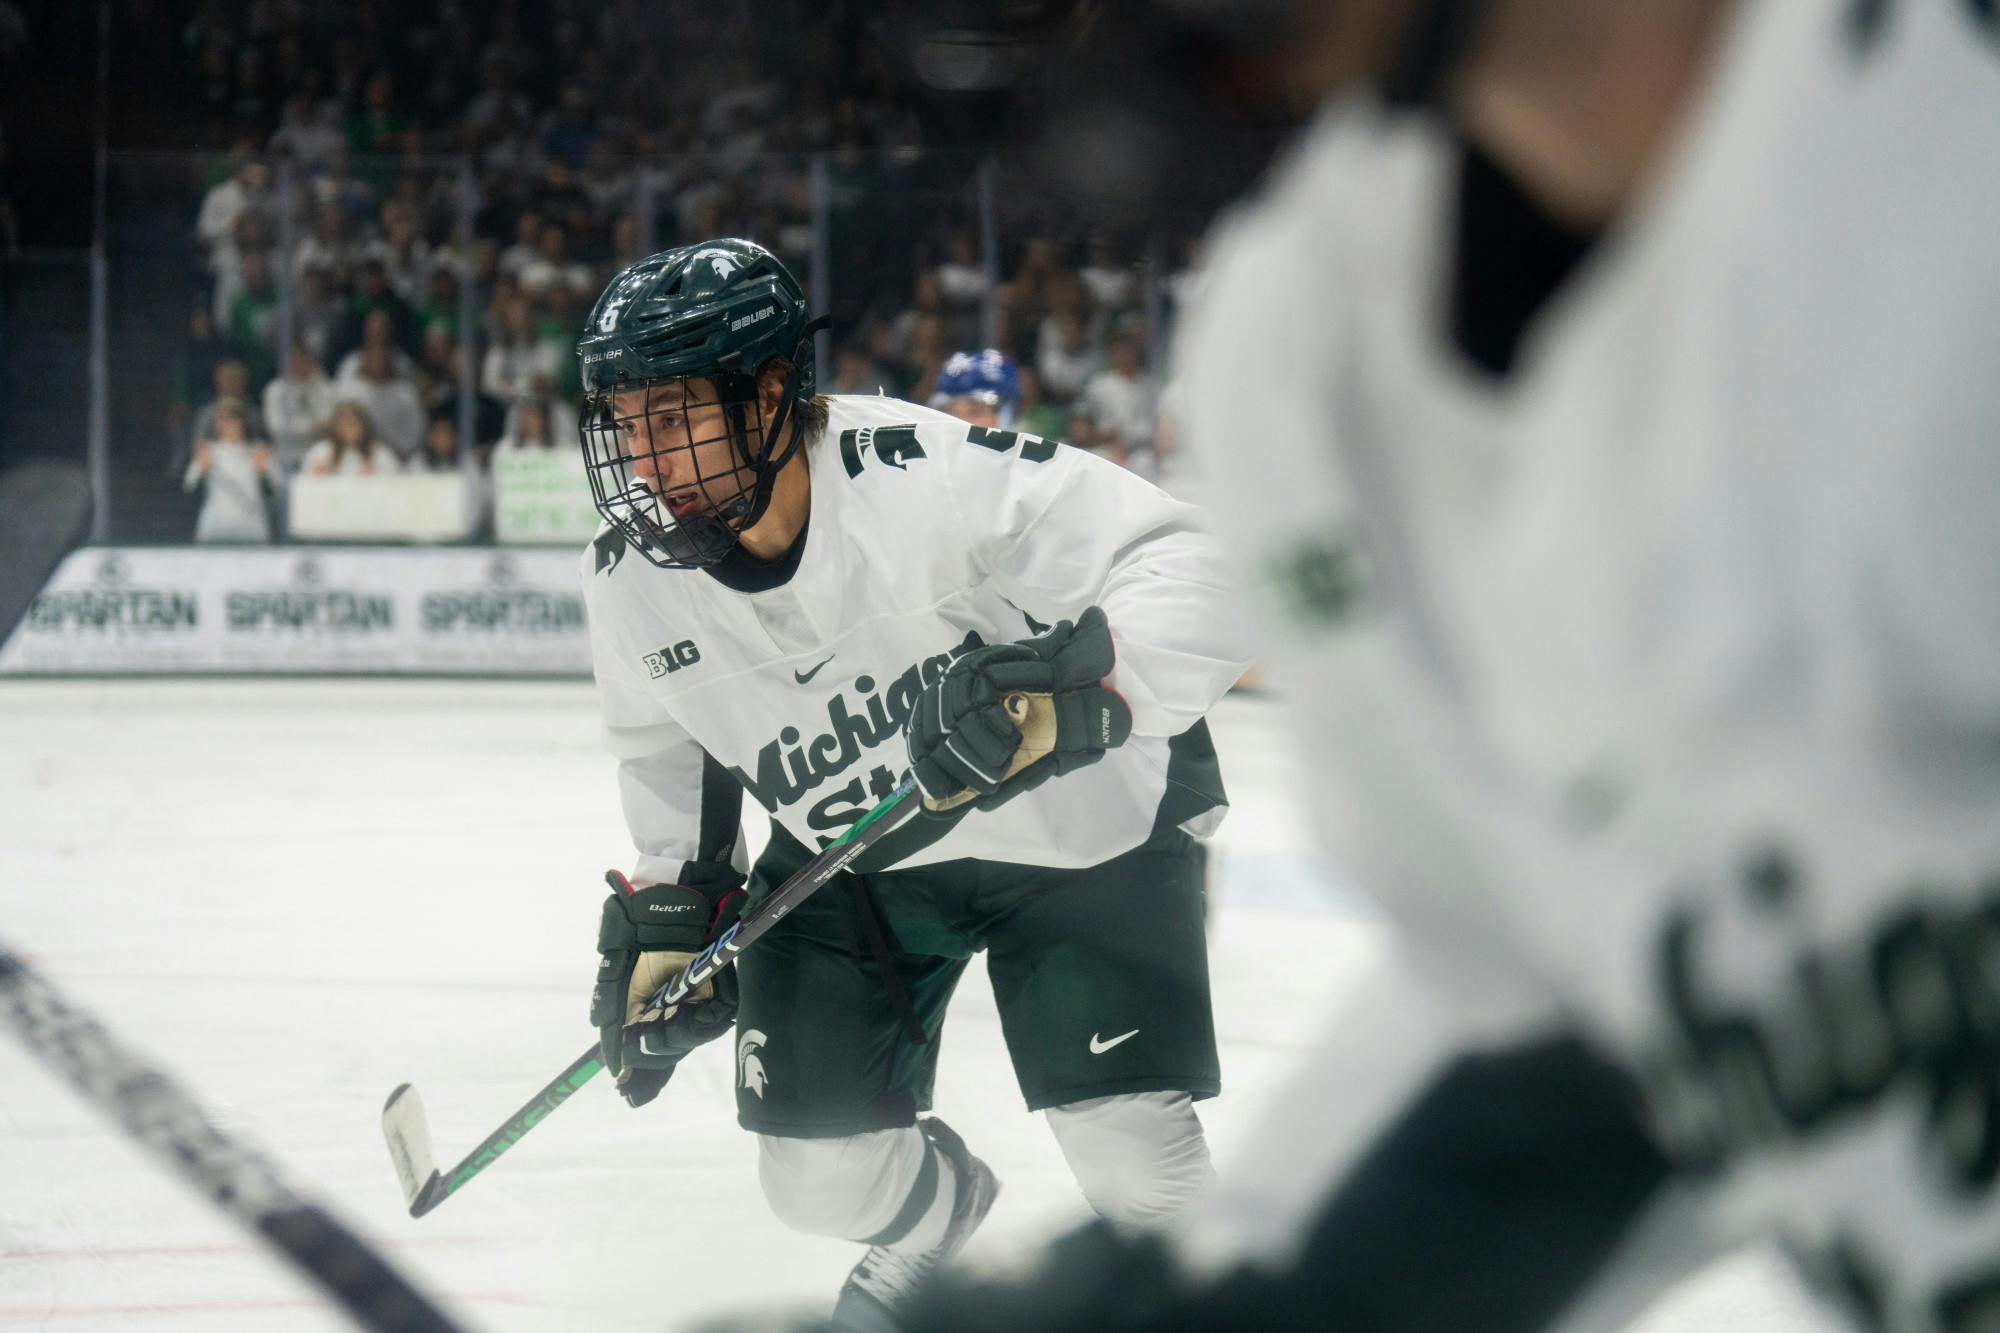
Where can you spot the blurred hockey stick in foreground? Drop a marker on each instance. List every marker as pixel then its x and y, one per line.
pixel 154 1110
pixel 44 512
pixel 404 1124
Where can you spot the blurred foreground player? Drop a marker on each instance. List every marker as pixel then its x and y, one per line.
pixel 1613 444
pixel 802 596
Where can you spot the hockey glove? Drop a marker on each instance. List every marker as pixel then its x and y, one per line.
pixel 964 742
pixel 645 938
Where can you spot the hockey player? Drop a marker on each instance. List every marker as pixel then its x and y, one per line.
pixel 1620 474
pixel 799 597
pixel 981 388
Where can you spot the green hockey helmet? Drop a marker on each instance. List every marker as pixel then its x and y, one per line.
pixel 699 324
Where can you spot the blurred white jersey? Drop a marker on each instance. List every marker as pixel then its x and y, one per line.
pixel 1657 684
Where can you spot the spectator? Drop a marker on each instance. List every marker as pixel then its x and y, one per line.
pixel 405 257
pixel 440 385
pixel 391 400
pixel 440 307
pixel 626 246
pixel 552 268
pixel 855 371
pixel 485 264
pixel 927 357
pixel 699 143
pixel 1113 286
pixel 1082 432
pixel 926 300
pixel 531 432
pixel 520 363
pixel 1066 352
pixel 1120 398
pixel 527 246
pixel 253 317
pixel 1027 297
pixel 561 417
pixel 378 127
pixel 1038 416
pixel 309 132
pixel 350 447
pixel 963 285
pixel 437 368
pixel 327 243
pixel 243 191
pixel 372 295
pixel 231 476
pixel 317 314
pixel 440 452
pixel 562 314
pixel 566 132
pixel 250 235
pixel 498 103
pixel 296 408
pixel 231 381
pixel 194 373
pixel 378 330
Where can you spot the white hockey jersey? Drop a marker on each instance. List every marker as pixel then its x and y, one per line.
pixel 926 537
pixel 1657 684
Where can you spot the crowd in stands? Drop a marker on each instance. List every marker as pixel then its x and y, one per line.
pixel 395 256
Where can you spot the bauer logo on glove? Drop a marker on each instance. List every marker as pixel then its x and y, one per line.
pixel 644 940
pixel 1005 719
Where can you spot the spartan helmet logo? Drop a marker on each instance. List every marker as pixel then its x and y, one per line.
pixel 724 265
pixel 750 1069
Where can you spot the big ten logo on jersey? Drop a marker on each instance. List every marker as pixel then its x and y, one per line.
pixel 790 765
pixel 1776 1041
pixel 671 658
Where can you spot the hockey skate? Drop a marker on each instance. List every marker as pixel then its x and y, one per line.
pixel 883 1282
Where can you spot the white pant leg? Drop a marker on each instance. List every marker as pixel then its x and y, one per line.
pixel 1140 1157
pixel 849 1187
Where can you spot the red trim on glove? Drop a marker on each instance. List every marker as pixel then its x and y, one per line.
pixel 721 903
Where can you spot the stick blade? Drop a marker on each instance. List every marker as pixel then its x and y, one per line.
pixel 408 1133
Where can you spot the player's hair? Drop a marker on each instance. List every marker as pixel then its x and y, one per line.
pixel 813 411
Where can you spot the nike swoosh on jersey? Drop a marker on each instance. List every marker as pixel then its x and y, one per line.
pixel 803 676
pixel 1099 1046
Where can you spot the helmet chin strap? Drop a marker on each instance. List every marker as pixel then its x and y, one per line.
pixel 768 470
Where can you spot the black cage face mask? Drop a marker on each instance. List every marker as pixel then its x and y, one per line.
pixel 676 477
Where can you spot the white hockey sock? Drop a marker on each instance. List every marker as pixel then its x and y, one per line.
pixel 1140 1157
pixel 932 1217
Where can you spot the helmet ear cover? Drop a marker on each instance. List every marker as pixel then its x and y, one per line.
pixel 739 392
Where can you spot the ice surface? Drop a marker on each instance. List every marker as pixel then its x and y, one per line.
pixel 298 894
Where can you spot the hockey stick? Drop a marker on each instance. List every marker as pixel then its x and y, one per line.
pixel 407 1129
pixel 156 1112
pixel 403 1121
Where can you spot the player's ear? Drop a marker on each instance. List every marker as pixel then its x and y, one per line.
pixel 771 386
